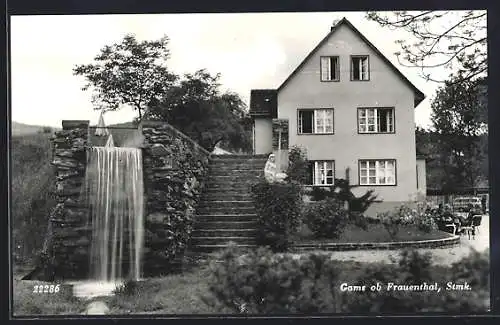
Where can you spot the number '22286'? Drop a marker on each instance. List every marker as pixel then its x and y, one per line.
pixel 47 288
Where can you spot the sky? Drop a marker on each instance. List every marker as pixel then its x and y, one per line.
pixel 250 50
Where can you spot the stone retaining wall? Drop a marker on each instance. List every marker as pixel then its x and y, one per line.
pixel 174 167
pixel 67 243
pixel 452 240
pixel 174 171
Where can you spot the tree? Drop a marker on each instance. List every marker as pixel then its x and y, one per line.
pixel 196 107
pixel 453 39
pixel 128 73
pixel 459 117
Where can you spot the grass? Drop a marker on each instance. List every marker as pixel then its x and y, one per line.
pixel 375 233
pixel 28 303
pixel 184 294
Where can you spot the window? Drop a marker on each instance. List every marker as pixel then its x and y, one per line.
pixel 377 172
pixel 322 172
pixel 359 68
pixel 315 121
pixel 376 120
pixel 329 68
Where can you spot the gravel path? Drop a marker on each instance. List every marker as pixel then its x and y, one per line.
pixel 444 256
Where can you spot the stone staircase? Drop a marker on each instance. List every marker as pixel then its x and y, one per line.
pixel 226 212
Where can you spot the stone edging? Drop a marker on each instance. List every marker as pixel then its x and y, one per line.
pixel 146 124
pixel 431 243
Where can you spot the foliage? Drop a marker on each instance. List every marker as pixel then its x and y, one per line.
pixel 128 288
pixel 278 207
pixel 342 191
pixel 437 164
pixel 455 40
pixel 327 218
pixel 460 119
pixel 128 73
pixel 263 282
pixel 297 165
pixel 416 268
pixel 195 106
pixel 32 184
pixel 406 216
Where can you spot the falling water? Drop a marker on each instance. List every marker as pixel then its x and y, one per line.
pixel 114 187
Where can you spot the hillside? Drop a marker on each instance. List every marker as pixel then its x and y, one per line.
pixel 32 181
pixel 24 129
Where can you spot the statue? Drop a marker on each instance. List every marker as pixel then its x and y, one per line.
pixel 271 171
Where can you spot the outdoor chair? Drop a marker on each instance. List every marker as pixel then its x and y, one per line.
pixel 476 222
pixel 468 228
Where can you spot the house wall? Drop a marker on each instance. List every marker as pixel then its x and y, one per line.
pixel 346 146
pixel 263 135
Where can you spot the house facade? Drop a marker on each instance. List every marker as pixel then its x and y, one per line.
pixel 350 109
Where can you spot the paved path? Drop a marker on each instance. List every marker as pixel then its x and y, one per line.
pixel 443 256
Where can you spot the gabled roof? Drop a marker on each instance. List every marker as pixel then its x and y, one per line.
pixel 419 96
pixel 264 102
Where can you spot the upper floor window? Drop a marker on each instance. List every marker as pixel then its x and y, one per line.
pixel 376 120
pixel 360 68
pixel 377 172
pixel 329 68
pixel 315 121
pixel 322 172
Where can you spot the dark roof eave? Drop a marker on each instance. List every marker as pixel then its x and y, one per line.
pixel 419 95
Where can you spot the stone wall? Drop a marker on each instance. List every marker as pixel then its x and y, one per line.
pixel 174 171
pixel 68 239
pixel 174 167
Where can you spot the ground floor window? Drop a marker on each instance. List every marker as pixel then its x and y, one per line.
pixel 322 172
pixel 377 172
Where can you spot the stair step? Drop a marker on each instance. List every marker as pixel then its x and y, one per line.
pixel 240 233
pixel 196 241
pixel 225 204
pixel 225 196
pixel 226 210
pixel 239 172
pixel 230 225
pixel 226 217
pixel 230 185
pixel 213 248
pixel 238 157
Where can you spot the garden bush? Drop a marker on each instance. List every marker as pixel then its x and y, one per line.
pixel 297 170
pixel 279 208
pixel 263 282
pixel 327 218
pixel 416 268
pixel 405 216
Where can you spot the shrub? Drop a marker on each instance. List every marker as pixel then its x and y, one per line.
pixel 416 268
pixel 263 282
pixel 278 207
pixel 298 164
pixel 342 191
pixel 327 218
pixel 128 288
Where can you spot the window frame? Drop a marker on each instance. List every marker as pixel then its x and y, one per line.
pixel 351 66
pixel 315 163
pixel 377 168
pixel 358 119
pixel 314 124
pixel 337 68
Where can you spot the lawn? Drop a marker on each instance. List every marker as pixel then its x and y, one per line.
pixel 375 233
pixel 189 294
pixel 174 294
